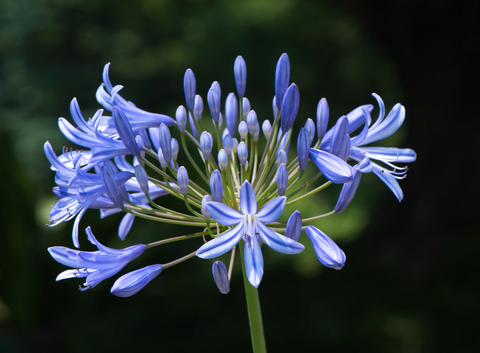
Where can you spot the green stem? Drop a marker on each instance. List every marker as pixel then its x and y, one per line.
pixel 254 311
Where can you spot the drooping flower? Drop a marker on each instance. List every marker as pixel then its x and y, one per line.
pixel 250 226
pixel 133 282
pixel 94 265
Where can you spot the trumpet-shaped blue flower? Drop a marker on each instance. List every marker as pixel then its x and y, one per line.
pixel 250 226
pixel 94 265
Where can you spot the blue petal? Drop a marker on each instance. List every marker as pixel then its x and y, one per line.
pixel 279 242
pixel 125 131
pixel 248 200
pixel 224 214
pixel 388 126
pixel 389 180
pixel 328 253
pixel 253 260
pixel 272 210
pixel 390 154
pixel 125 225
pixel 348 191
pixel 61 255
pixel 332 167
pixel 219 246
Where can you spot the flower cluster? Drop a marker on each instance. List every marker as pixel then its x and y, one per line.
pixel 129 160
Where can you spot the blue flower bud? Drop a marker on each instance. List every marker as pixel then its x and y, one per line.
pixel 181 117
pixel 242 153
pixel 216 186
pixel 310 126
pixel 235 145
pixel 182 179
pixel 328 253
pixel 189 86
pixel 175 148
pixel 322 118
pixel 165 142
pixel 256 133
pixel 142 178
pixel 282 157
pixel 198 107
pixel 267 129
pixel 206 199
pixel 222 159
pixel 206 144
pixel 303 146
pixel 246 107
pixel 240 71
pixel 213 100
pixel 274 107
pixel 348 191
pixel 283 143
pixel 243 130
pixel 220 276
pixel 282 179
pixel 220 120
pixel 161 159
pixel 294 226
pixel 252 122
pixel 282 78
pixel 132 282
pixel 340 145
pixel 231 113
pixel 227 143
pixel 290 104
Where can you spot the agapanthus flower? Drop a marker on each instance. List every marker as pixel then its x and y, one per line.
pixel 94 265
pixel 250 226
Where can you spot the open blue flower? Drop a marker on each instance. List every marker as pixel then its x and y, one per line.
pixel 250 225
pixel 94 265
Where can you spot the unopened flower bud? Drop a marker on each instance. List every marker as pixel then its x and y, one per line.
pixel 242 153
pixel 132 282
pixel 310 126
pixel 322 118
pixel 189 86
pixel 282 179
pixel 161 159
pixel 252 122
pixel 213 100
pixel 222 159
pixel 231 113
pixel 303 146
pixel 246 107
pixel 281 157
pixel 227 143
pixel 243 130
pixel 328 253
pixel 220 276
pixel 175 148
pixel 267 129
pixel 282 78
pixel 165 142
pixel 142 178
pixel 290 104
pixel 294 226
pixel 206 199
pixel 182 179
pixel 206 144
pixel 216 186
pixel 240 71
pixel 198 107
pixel 181 117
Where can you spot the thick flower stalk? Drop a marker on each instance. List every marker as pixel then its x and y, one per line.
pixel 128 158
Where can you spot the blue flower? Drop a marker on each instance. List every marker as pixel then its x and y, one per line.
pixel 94 265
pixel 250 226
pixel 328 253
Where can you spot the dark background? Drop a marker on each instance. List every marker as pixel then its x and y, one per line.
pixel 410 282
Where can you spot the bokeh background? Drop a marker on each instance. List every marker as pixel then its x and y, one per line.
pixel 410 282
